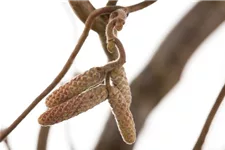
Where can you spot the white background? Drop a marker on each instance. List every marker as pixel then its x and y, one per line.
pixel 36 38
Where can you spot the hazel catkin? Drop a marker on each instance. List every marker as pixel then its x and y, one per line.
pixel 123 115
pixel 119 79
pixel 74 87
pixel 73 107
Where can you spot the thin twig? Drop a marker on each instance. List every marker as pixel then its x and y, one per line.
pixel 5 141
pixel 7 144
pixel 117 20
pixel 83 9
pixel 43 138
pixel 66 67
pixel 209 120
pixel 120 60
pixel 107 81
pixel 140 5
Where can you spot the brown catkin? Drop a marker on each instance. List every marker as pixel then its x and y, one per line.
pixel 74 106
pixel 77 85
pixel 119 79
pixel 123 115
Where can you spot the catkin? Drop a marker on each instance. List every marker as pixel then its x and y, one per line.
pixel 74 106
pixel 76 86
pixel 119 79
pixel 123 115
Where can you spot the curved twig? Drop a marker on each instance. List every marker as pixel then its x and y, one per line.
pixel 140 5
pixel 66 67
pixel 117 20
pixel 209 120
pixel 121 58
pixel 83 9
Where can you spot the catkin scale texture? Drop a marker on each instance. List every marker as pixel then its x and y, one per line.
pixel 119 79
pixel 74 106
pixel 123 115
pixel 77 85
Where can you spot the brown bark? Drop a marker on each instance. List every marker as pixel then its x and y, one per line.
pixel 43 138
pixel 83 9
pixel 164 70
pixel 112 3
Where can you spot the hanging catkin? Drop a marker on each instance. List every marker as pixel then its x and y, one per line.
pixel 118 74
pixel 76 86
pixel 123 115
pixel 119 79
pixel 73 107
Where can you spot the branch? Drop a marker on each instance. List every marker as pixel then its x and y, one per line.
pixel 7 144
pixel 5 141
pixel 209 120
pixel 43 138
pixel 140 6
pixel 66 67
pixel 164 70
pixel 112 3
pixel 120 60
pixel 83 9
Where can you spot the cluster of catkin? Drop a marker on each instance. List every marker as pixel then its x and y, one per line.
pixel 88 89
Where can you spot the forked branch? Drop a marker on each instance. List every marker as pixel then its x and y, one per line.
pixel 85 7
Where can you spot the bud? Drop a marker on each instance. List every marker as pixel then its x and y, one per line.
pixel 74 106
pixel 119 79
pixel 77 85
pixel 123 115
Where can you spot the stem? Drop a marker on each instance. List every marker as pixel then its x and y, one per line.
pixel 140 5
pixel 112 3
pixel 121 58
pixel 110 30
pixel 209 120
pixel 107 81
pixel 116 20
pixel 7 144
pixel 43 138
pixel 64 70
pixel 83 9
